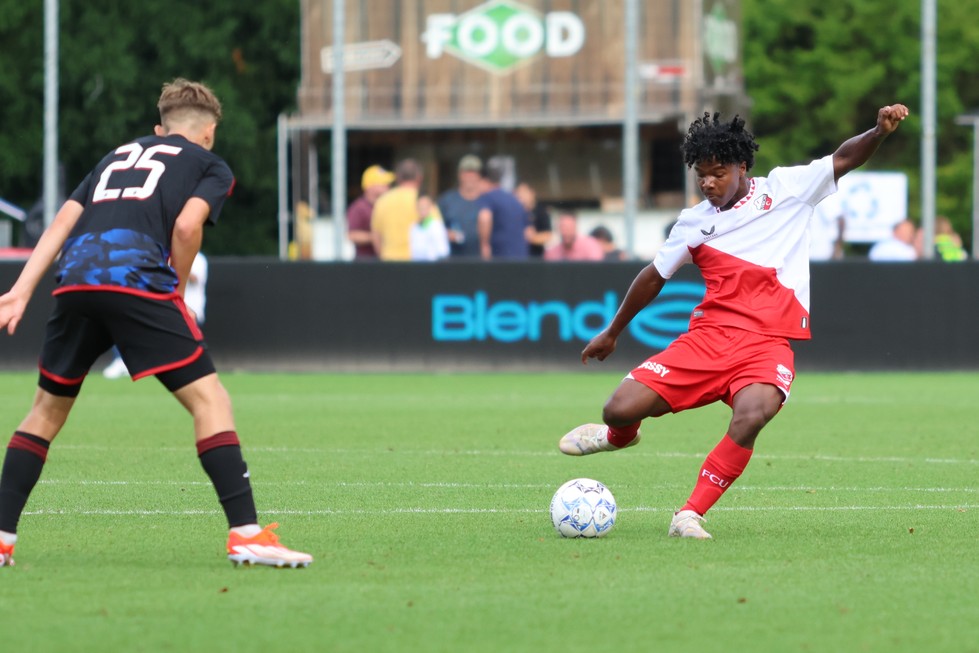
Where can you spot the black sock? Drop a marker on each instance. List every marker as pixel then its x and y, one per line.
pixel 22 467
pixel 220 455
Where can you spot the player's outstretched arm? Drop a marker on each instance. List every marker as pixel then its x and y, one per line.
pixel 856 151
pixel 14 303
pixel 644 289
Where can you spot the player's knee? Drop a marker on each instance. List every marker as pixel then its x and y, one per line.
pixel 617 412
pixel 750 420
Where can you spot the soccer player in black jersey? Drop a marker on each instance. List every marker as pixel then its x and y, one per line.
pixel 127 237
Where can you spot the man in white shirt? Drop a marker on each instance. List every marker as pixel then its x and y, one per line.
pixel 899 246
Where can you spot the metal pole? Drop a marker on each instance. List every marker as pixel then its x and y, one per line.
pixel 282 144
pixel 928 22
pixel 630 126
pixel 339 163
pixel 973 121
pixel 975 188
pixel 50 110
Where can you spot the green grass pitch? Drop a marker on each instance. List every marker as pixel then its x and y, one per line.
pixel 424 499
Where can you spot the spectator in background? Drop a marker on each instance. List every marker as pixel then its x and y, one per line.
pixel 540 232
pixel 899 246
pixel 395 212
pixel 374 182
pixel 573 246
pixel 460 208
pixel 503 222
pixel 948 243
pixel 602 234
pixel 429 240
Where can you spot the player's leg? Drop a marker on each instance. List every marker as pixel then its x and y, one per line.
pixel 622 414
pixel 72 344
pixel 219 451
pixel 753 406
pixel 754 401
pixel 24 462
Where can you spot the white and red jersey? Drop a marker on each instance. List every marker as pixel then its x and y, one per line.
pixel 754 257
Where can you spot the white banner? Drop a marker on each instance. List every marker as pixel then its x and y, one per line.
pixel 872 203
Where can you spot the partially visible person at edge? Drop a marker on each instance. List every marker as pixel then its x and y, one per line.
pixel 375 181
pixel 750 240
pixel 539 235
pixel 121 277
pixel 504 226
pixel 396 212
pixel 460 208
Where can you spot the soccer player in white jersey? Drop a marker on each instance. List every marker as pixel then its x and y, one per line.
pixel 750 239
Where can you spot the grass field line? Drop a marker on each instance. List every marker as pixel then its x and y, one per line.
pixel 509 486
pixel 548 453
pixel 480 511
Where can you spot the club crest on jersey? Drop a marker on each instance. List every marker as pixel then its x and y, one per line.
pixel 763 203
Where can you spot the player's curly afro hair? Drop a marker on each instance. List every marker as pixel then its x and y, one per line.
pixel 709 139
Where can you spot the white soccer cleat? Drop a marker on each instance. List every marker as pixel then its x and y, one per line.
pixel 589 439
pixel 264 549
pixel 115 370
pixel 687 523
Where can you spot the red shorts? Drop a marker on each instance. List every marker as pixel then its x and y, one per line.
pixel 711 363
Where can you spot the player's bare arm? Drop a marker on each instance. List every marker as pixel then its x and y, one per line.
pixel 14 303
pixel 644 289
pixel 188 232
pixel 856 151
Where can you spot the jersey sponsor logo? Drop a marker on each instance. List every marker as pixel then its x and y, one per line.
pixel 764 202
pixel 709 234
pixel 655 368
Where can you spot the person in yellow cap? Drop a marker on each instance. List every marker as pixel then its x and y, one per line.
pixel 375 182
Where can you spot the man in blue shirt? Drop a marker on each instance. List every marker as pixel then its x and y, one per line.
pixel 504 223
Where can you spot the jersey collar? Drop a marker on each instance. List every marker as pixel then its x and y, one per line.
pixel 744 200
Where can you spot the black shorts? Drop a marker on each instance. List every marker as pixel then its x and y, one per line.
pixel 155 334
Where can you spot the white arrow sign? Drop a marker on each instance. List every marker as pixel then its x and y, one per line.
pixel 366 55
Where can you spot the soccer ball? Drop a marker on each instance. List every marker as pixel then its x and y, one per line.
pixel 583 507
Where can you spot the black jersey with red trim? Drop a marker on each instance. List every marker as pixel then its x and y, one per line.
pixel 131 202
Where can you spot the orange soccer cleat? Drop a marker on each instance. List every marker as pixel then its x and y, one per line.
pixel 6 554
pixel 264 549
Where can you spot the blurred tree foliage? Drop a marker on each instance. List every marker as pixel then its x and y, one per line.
pixel 114 58
pixel 818 70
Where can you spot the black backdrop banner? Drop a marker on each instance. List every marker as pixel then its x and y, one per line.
pixel 268 315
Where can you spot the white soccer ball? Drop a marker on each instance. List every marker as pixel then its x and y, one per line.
pixel 583 507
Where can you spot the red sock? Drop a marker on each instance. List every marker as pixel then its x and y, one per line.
pixel 620 436
pixel 721 468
